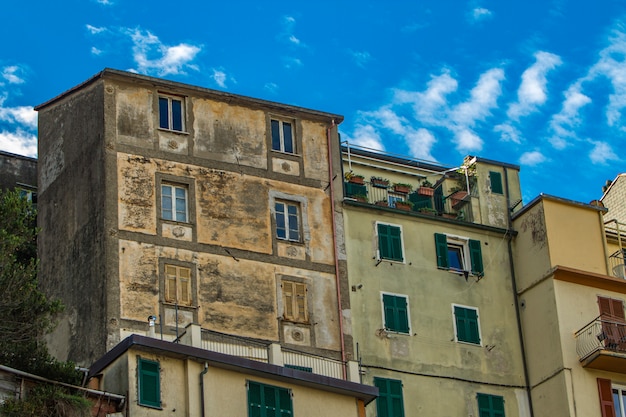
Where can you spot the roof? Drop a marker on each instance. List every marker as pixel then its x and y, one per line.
pixel 363 392
pixel 200 91
pixel 543 196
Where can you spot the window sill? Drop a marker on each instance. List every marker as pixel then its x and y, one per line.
pixel 291 154
pixel 469 343
pixel 176 222
pixel 290 242
pixel 395 332
pixel 396 261
pixel 180 306
pixel 154 407
pixel 178 132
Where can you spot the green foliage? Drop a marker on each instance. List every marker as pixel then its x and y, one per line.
pixel 47 400
pixel 27 314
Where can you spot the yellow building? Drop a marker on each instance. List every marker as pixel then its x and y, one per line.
pixel 432 292
pixel 572 309
pixel 192 206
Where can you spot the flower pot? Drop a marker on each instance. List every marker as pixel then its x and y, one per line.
pixel 401 189
pixel 379 183
pixel 356 180
pixel 426 191
pixel 403 206
pixel 382 204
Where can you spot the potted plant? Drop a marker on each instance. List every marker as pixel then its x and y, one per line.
pixel 426 188
pixel 355 178
pixel 360 197
pixel 404 205
pixel 402 188
pixel 382 203
pixel 428 211
pixel 379 182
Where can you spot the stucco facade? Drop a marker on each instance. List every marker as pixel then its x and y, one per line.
pixel 438 365
pixel 192 205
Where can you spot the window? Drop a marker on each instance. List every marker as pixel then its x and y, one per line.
pixel 389 242
pixel 149 386
pixel 466 326
pixel 294 300
pixel 389 402
pixel 174 202
pixel 613 323
pixel 396 313
pixel 459 254
pixel 282 136
pixel 171 113
pixel 495 178
pixel 619 400
pixel 287 221
pixel 268 401
pixel 392 199
pixel 178 285
pixel 490 405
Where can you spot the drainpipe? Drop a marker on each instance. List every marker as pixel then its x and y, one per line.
pixel 336 252
pixel 202 374
pixel 515 300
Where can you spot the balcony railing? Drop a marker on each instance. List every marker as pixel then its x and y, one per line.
pixel 601 334
pixel 426 201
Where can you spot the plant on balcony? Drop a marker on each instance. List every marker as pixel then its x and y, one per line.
pixel 402 188
pixel 360 197
pixel 382 203
pixel 404 205
pixel 427 210
pixel 355 178
pixel 379 182
pixel 426 188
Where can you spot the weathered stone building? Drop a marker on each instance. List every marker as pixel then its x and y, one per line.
pixel 18 172
pixel 192 205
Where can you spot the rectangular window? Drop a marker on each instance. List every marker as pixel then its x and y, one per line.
pixel 490 405
pixel 396 313
pixel 268 401
pixel 389 402
pixel 389 242
pixel 149 385
pixel 178 285
pixel 174 202
pixel 282 136
pixel 171 113
pixel 495 178
pixel 459 254
pixel 619 400
pixel 294 300
pixel 287 221
pixel 466 326
pixel 613 323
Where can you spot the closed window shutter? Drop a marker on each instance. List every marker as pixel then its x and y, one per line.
pixel 384 244
pixel 389 402
pixel 288 293
pixel 185 287
pixel 285 403
pixel 254 399
pixel 149 384
pixel 390 316
pixel 441 245
pixel 476 257
pixel 496 182
pixel 467 325
pixel 606 397
pixel 403 316
pixel 170 283
pixel 490 405
pixel 301 312
pixel 611 307
pixel 396 243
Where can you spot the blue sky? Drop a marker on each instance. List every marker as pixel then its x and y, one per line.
pixel 539 83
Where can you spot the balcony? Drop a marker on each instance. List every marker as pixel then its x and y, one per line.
pixel 601 344
pixel 269 352
pixel 427 201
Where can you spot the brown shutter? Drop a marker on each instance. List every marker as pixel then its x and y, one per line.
pixel 606 397
pixel 184 292
pixel 170 283
pixel 288 293
pixel 617 309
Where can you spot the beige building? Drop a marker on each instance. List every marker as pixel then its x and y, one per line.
pixel 572 308
pixel 434 316
pixel 165 378
pixel 188 205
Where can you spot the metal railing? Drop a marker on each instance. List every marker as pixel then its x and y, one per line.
pixel 317 364
pixel 386 195
pixel 601 334
pixel 617 264
pixel 258 350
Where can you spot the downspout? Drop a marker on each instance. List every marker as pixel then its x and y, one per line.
pixel 202 374
pixel 336 252
pixel 515 300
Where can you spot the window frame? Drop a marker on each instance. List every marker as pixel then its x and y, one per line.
pixel 174 198
pixel 494 406
pixel 389 245
pixel 471 253
pixel 279 393
pixel 286 221
pixel 170 112
pixel 619 403
pixel 177 285
pixel 281 135
pixel 455 321
pixel 142 374
pixel 385 406
pixel 396 313
pixel 295 305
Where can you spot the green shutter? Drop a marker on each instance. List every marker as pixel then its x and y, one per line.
pixel 490 405
pixel 420 201
pixel 396 313
pixel 495 178
pixel 384 247
pixel 268 401
pixel 389 402
pixel 389 242
pixel 466 325
pixel 441 245
pixel 476 257
pixel 149 383
pixel 254 399
pixel 396 243
pixel 353 189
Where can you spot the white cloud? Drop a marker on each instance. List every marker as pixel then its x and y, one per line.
pixel 361 58
pixel 368 137
pixel 420 143
pixel 602 153
pixel 95 51
pixel 12 74
pixel 19 142
pixel 271 87
pixel 480 13
pixel 291 62
pixel 508 132
pixel 294 40
pixel 532 158
pixel 430 105
pixel 95 30
pixel 105 2
pixel 532 90
pixel 219 77
pixel 167 59
pixel 563 123
pixel 21 115
pixel 483 98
